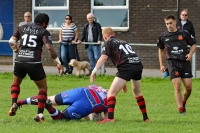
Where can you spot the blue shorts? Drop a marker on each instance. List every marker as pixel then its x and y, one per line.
pixel 79 104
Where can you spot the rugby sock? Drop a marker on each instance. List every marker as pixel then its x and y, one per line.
pixel 181 109
pixel 42 97
pixel 142 106
pixel 111 106
pixel 15 90
pixel 31 100
pixel 184 103
pixel 55 114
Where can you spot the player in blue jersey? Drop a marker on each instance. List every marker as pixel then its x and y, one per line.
pixel 82 101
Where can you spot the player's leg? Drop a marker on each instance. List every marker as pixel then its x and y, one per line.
pixel 187 81
pixel 33 100
pixel 37 74
pixel 140 99
pixel 19 74
pixel 116 86
pixel 188 89
pixel 177 94
pixel 42 97
pixel 176 74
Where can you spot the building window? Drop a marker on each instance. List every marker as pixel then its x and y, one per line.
pixel 56 9
pixel 112 13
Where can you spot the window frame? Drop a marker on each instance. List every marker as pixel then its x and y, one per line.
pixel 113 8
pixel 66 8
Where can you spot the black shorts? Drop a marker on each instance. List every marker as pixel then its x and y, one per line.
pixel 35 71
pixel 179 68
pixel 130 71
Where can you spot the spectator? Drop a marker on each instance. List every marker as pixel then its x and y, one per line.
pixel 68 35
pixel 28 61
pixel 178 59
pixel 27 19
pixel 185 24
pixel 92 33
pixel 129 67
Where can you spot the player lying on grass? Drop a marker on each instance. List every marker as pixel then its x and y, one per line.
pixel 82 101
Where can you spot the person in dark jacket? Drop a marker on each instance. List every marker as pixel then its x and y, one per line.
pixel 92 33
pixel 185 24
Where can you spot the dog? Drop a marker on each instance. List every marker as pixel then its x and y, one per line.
pixel 80 65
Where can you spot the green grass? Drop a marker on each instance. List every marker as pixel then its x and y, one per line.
pixel 158 93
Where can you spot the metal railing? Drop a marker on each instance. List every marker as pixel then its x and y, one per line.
pixel 102 70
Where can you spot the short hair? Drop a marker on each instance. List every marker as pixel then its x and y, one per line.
pixel 42 17
pixel 169 17
pixel 107 31
pixel 184 10
pixel 90 14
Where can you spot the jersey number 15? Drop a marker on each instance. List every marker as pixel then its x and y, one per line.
pixel 29 40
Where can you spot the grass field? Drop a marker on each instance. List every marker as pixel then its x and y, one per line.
pixel 157 92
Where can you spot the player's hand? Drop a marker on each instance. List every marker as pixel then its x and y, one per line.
pixel 188 57
pixel 124 89
pixel 60 69
pixel 92 76
pixel 162 68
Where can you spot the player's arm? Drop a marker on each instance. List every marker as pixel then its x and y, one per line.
pixel 192 50
pixel 13 44
pixel 161 58
pixel 100 62
pixel 13 41
pixel 48 44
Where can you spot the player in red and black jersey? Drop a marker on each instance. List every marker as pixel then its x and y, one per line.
pixel 129 68
pixel 178 59
pixel 28 60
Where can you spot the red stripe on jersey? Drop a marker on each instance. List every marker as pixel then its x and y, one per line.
pixel 96 98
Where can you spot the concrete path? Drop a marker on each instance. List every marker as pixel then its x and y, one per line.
pixel 109 71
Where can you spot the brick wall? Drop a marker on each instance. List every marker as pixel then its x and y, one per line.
pixel 146 24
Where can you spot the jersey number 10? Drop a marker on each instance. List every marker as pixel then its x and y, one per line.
pixel 127 49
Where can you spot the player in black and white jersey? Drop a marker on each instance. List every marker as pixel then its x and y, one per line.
pixel 28 60
pixel 129 68
pixel 178 57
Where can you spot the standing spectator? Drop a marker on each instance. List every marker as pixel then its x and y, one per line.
pixel 92 33
pixel 68 35
pixel 27 19
pixel 185 24
pixel 129 68
pixel 28 61
pixel 178 59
